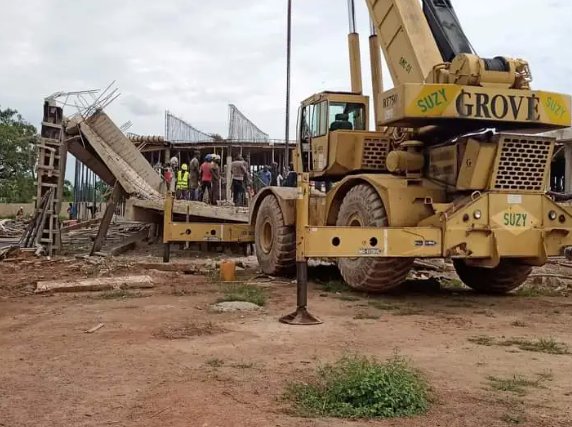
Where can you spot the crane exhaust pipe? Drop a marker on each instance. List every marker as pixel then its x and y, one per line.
pixel 376 75
pixel 355 52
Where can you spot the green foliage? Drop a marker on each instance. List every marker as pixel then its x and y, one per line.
pixel 247 293
pixel 515 384
pixel 17 158
pixel 541 345
pixel 335 286
pixel 359 387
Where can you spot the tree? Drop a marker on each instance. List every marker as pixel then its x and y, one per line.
pixel 217 137
pixel 68 191
pixel 18 158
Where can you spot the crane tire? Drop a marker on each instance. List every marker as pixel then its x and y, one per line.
pixel 508 275
pixel 275 242
pixel 363 207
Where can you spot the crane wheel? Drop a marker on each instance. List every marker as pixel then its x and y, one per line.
pixel 362 207
pixel 508 275
pixel 275 242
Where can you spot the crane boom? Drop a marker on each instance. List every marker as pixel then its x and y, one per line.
pixel 406 39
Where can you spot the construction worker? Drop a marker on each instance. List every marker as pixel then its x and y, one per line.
pixel 206 179
pixel 239 175
pixel 266 176
pixel 195 169
pixel 215 171
pixel 183 182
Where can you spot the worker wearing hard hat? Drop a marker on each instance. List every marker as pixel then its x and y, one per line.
pixel 183 182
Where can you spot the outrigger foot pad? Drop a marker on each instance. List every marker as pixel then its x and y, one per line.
pixel 301 317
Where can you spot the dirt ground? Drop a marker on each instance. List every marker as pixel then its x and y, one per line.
pixel 164 359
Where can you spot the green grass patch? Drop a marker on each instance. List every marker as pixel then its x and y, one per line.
pixel 515 384
pixel 366 316
pixel 246 293
pixel 335 286
pixel 454 284
pixel 348 298
pixel 541 345
pixel 408 311
pixel 382 305
pixel 360 387
pixel 214 363
pixel 533 291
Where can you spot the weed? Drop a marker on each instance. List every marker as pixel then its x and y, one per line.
pixel 359 387
pixel 247 293
pixel 482 340
pixel 214 362
pixel 459 304
pixel 453 284
pixel 542 345
pixel 545 376
pixel 243 365
pixel 514 418
pixel 380 305
pixel 366 316
pixel 117 294
pixel 519 324
pixel 334 286
pixel 408 311
pixel 515 384
pixel 532 291
pixel 348 298
pixel 188 329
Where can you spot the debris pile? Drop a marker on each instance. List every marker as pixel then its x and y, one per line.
pixel 12 228
pixel 78 240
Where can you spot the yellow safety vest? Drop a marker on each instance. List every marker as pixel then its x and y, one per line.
pixel 182 180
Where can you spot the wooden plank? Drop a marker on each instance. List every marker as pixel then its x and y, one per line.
pixel 107 217
pixel 102 284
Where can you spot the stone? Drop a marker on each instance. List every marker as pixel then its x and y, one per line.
pixel 228 306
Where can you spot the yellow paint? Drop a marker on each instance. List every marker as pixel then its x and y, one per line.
pixel 433 100
pixel 556 107
pixel 515 219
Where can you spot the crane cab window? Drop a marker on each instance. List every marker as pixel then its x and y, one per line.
pixel 346 116
pixel 319 116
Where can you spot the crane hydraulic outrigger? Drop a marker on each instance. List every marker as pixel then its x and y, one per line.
pixel 454 168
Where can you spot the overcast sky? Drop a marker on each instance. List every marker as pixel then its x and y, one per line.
pixel 194 57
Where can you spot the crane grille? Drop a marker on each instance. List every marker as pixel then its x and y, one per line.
pixel 374 154
pixel 523 163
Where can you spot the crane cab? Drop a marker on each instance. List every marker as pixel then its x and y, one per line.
pixel 333 137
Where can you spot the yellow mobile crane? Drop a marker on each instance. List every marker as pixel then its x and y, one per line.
pixel 454 168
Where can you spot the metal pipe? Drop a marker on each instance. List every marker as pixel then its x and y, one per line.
pixel 352 15
pixel 288 69
pixel 354 51
pixel 376 73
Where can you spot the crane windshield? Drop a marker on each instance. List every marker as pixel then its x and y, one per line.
pixel 342 113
